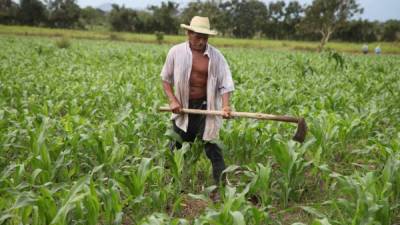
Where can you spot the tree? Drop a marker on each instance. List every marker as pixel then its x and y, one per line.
pixel 357 31
pixel 292 17
pixel 245 18
pixel 63 13
pixel 165 17
pixel 225 26
pixel 282 19
pixel 326 16
pixel 391 30
pixel 251 16
pixel 90 17
pixel 8 12
pixel 32 12
pixel 144 22
pixel 123 19
pixel 274 23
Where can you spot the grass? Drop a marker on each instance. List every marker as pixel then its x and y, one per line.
pixel 387 47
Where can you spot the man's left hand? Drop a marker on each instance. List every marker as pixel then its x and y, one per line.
pixel 226 112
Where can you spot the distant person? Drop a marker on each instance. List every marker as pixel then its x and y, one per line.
pixel 364 49
pixel 378 50
pixel 196 76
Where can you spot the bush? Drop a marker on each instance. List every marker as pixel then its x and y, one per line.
pixel 63 42
pixel 159 37
pixel 115 37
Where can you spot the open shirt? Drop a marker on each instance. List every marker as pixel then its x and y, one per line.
pixel 176 71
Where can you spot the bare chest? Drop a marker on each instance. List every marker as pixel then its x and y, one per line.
pixel 199 67
pixel 199 74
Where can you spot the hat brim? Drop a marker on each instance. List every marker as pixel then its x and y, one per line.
pixel 199 30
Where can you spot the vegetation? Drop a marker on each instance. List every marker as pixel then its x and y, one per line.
pixel 325 17
pixel 81 141
pixel 387 47
pixel 63 42
pixel 321 20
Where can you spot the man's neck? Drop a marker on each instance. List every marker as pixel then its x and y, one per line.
pixel 198 51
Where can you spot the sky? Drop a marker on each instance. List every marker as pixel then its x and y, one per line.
pixel 373 9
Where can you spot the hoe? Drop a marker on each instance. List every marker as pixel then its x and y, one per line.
pixel 301 123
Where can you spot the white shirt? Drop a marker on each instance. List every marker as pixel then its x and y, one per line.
pixel 177 70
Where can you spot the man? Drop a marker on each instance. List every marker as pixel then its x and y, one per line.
pixel 378 50
pixel 364 49
pixel 196 75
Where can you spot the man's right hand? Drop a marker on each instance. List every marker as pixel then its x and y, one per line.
pixel 175 106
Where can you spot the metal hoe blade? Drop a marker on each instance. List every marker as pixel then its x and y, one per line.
pixel 301 132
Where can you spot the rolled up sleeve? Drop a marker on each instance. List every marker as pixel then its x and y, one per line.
pixel 167 72
pixel 225 83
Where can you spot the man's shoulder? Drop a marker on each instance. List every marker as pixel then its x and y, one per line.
pixel 178 47
pixel 215 51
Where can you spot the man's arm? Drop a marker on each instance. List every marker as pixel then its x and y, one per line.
pixel 225 86
pixel 225 105
pixel 167 77
pixel 174 104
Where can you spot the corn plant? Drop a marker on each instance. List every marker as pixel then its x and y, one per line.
pixel 292 166
pixel 234 210
pixel 160 219
pixel 260 183
pixel 369 200
pixel 177 161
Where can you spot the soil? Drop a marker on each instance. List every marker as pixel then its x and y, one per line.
pixel 191 208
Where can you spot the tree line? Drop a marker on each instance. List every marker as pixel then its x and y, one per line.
pixel 321 20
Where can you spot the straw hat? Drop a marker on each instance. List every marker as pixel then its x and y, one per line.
pixel 201 25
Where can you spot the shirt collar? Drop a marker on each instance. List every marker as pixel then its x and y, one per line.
pixel 206 52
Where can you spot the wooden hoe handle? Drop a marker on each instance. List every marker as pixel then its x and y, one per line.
pixel 262 116
pixel 301 123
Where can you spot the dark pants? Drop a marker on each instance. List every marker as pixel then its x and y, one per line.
pixel 196 129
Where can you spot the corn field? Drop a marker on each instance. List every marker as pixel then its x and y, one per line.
pixel 82 142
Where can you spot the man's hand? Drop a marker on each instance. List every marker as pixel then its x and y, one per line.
pixel 226 112
pixel 175 106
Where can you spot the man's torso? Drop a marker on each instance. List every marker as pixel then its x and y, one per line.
pixel 198 76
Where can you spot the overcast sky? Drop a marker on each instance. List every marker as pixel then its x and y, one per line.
pixel 373 9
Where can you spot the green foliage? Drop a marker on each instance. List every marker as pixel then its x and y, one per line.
pixel 292 166
pixel 366 199
pixel 8 12
pixel 335 56
pixel 32 12
pixel 245 19
pixel 325 17
pixel 260 184
pixel 391 30
pixel 91 17
pixel 359 31
pixel 234 210
pixel 165 17
pixel 63 42
pixel 63 13
pixel 81 141
pixel 249 17
pixel 159 37
pixel 122 19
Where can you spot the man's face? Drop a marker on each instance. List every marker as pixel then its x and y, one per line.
pixel 197 41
